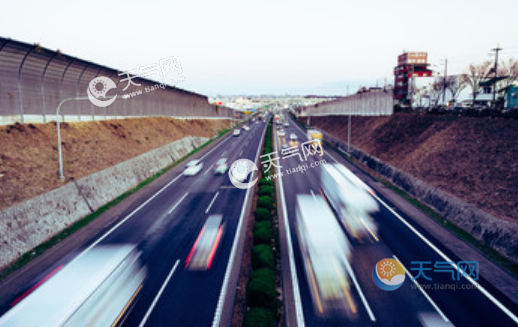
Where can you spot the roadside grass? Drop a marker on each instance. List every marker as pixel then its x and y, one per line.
pixel 43 247
pixel 481 246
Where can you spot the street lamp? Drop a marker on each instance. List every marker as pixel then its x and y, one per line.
pixel 61 174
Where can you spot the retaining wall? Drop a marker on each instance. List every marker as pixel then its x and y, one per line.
pixel 28 224
pixel 501 235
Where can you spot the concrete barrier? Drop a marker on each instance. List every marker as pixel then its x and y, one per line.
pixel 500 234
pixel 30 223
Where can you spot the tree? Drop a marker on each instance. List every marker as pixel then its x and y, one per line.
pixel 509 69
pixel 436 90
pixel 455 85
pixel 475 74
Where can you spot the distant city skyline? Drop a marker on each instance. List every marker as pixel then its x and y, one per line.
pixel 296 48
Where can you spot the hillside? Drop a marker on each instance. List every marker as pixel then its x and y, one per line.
pixel 29 153
pixel 473 158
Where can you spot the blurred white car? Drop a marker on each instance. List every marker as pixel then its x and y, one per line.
pixel 246 128
pixel 221 166
pixel 206 244
pixel 281 132
pixel 293 137
pixel 193 167
pixel 236 132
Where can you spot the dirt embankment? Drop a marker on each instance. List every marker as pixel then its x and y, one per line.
pixel 29 153
pixel 473 158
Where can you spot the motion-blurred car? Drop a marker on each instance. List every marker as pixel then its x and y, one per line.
pixel 284 149
pixel 286 124
pixel 246 128
pixel 352 201
pixel 206 245
pixel 221 166
pixel 326 254
pixel 193 167
pixel 281 132
pixel 236 132
pixel 293 137
pixel 96 289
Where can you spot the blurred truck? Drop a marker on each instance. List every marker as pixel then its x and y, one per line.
pixel 351 200
pixel 315 136
pixel 96 289
pixel 326 254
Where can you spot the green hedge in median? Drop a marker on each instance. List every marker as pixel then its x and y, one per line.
pixel 258 317
pixel 263 214
pixel 264 182
pixel 263 233
pixel 262 256
pixel 265 202
pixel 265 190
pixel 260 290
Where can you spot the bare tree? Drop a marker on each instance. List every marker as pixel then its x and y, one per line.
pixel 509 69
pixel 455 84
pixel 436 90
pixel 475 74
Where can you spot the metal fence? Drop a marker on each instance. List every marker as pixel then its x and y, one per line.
pixel 379 103
pixel 33 80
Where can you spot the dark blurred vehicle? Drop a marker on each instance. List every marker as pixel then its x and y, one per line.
pixel 96 289
pixel 221 166
pixel 206 244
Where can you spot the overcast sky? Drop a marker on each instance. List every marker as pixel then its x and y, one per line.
pixel 268 47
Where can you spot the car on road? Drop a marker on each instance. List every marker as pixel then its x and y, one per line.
pixel 246 128
pixel 281 132
pixel 236 132
pixel 293 137
pixel 193 167
pixel 284 149
pixel 286 124
pixel 221 166
pixel 204 250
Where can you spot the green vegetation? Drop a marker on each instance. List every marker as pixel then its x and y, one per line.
pixel 258 317
pixel 262 256
pixel 260 290
pixel 265 202
pixel 264 309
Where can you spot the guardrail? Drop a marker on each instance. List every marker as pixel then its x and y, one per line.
pixel 33 80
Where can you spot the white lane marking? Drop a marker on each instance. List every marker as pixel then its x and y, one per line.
pixel 153 304
pixel 479 287
pixel 207 171
pixel 360 292
pixel 240 153
pixel 178 203
pixel 224 153
pixel 422 291
pixel 294 279
pixel 313 193
pixel 226 279
pixel 212 202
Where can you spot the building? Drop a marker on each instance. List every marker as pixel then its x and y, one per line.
pixel 411 71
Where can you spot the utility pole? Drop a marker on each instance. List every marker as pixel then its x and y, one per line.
pixel 444 82
pixel 496 50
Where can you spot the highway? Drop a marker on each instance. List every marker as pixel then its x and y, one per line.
pixel 165 228
pixel 478 304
